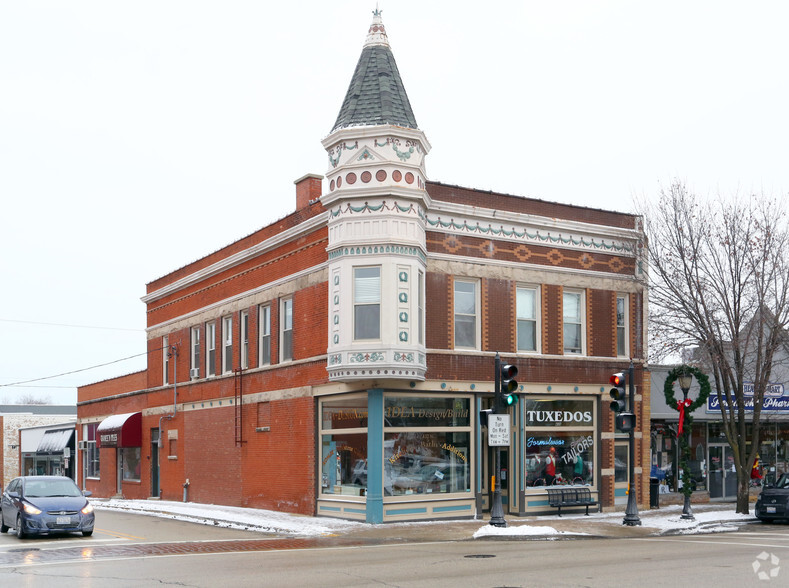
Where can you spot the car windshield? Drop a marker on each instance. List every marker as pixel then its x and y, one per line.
pixel 49 488
pixel 783 481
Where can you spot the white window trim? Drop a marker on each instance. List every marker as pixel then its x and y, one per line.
pixel 477 317
pixel 227 341
pixel 582 305
pixel 264 330
pixel 537 318
pixel 625 327
pixel 283 329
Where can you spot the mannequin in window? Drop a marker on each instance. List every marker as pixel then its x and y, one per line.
pixel 550 467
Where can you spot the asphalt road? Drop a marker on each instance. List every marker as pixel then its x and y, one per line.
pixel 135 550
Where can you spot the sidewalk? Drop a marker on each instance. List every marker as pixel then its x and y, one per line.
pixel 666 520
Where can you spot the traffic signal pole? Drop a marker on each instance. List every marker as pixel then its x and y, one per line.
pixel 631 512
pixel 496 508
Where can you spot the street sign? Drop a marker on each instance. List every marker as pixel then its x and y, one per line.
pixel 499 430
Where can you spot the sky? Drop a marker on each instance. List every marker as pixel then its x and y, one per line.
pixel 136 137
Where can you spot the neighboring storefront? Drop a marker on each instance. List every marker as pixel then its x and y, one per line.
pixel 712 461
pixel 48 450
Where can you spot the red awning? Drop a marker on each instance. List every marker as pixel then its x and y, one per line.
pixel 120 430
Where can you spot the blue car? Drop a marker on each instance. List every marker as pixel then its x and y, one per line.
pixel 44 505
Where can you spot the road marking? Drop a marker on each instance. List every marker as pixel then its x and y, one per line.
pixel 119 534
pixel 692 540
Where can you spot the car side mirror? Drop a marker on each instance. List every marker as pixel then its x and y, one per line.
pixel 87 493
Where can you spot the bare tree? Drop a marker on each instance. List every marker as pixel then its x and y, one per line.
pixel 28 398
pixel 719 283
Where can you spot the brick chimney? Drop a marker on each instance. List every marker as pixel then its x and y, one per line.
pixel 308 188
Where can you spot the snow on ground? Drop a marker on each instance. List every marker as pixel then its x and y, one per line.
pixel 249 519
pixel 708 519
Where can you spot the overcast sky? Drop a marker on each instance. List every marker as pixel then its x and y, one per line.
pixel 138 136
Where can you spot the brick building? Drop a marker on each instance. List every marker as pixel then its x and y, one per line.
pixel 335 361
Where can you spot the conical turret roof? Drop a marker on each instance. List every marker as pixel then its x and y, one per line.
pixel 376 95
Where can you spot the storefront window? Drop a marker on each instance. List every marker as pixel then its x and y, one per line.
pixel 411 411
pixel 130 457
pixel 344 446
pixel 433 460
pixel 426 463
pixel 559 441
pixel 344 464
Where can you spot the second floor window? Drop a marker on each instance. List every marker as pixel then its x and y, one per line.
pixel 621 326
pixel 286 329
pixel 264 328
pixel 572 323
pixel 210 346
pixel 465 314
pixel 367 303
pixel 195 347
pixel 526 302
pixel 166 360
pixel 227 344
pixel 244 320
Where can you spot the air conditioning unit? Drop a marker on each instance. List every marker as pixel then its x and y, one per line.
pixel 194 373
pixel 82 445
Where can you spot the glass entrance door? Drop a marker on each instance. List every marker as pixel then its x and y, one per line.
pixel 723 477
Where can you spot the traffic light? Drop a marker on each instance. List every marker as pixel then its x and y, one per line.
pixel 624 421
pixel 618 393
pixel 509 385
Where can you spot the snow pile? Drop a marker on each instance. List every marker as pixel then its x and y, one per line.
pixel 521 531
pixel 248 519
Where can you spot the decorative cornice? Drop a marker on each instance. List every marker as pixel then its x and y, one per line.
pixel 579 242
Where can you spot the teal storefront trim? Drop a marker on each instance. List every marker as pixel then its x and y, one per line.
pixel 619 492
pixel 406 511
pixel 452 508
pixel 375 454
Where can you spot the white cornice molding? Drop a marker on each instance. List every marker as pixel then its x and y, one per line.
pixel 546 227
pixel 237 258
pixel 371 131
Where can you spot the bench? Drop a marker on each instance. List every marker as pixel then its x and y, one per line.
pixel 559 497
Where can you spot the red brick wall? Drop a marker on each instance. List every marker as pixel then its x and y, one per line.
pixel 438 311
pixel 135 381
pixel 601 323
pixel 279 464
pixel 499 325
pixel 524 205
pixel 552 336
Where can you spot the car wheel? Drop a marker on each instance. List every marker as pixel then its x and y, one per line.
pixel 768 521
pixel 87 533
pixel 3 526
pixel 20 532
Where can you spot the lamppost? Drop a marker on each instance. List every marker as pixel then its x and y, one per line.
pixel 685 380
